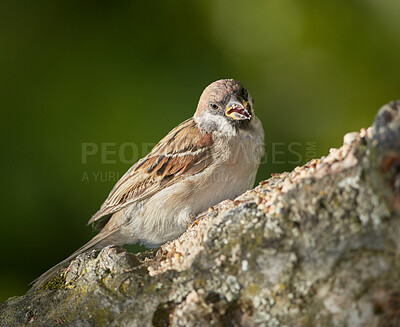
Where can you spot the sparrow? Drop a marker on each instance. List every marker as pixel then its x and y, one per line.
pixel 210 157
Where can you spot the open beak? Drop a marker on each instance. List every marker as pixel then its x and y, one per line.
pixel 236 110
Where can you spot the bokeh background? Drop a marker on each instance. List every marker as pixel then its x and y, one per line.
pixel 86 87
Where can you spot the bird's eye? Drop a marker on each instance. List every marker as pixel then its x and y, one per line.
pixel 214 106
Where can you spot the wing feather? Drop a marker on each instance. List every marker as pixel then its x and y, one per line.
pixel 183 152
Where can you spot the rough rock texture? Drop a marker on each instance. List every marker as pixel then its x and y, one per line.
pixel 315 247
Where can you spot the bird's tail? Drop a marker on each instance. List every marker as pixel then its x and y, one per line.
pixel 99 241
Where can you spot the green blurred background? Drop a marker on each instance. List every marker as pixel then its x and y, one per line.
pixel 76 75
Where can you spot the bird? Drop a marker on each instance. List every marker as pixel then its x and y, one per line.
pixel 208 158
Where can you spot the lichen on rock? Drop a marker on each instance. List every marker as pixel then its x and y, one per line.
pixel 318 246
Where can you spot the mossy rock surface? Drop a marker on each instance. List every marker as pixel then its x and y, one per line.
pixel 315 247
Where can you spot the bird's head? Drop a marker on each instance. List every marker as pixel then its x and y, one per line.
pixel 224 104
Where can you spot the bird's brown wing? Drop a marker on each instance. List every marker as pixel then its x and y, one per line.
pixel 183 152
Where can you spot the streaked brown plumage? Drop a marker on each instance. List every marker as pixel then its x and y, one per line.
pixel 204 160
pixel 160 168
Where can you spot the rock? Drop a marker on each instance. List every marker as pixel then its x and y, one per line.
pixel 318 246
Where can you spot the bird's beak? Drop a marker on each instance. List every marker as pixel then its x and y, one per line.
pixel 236 109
